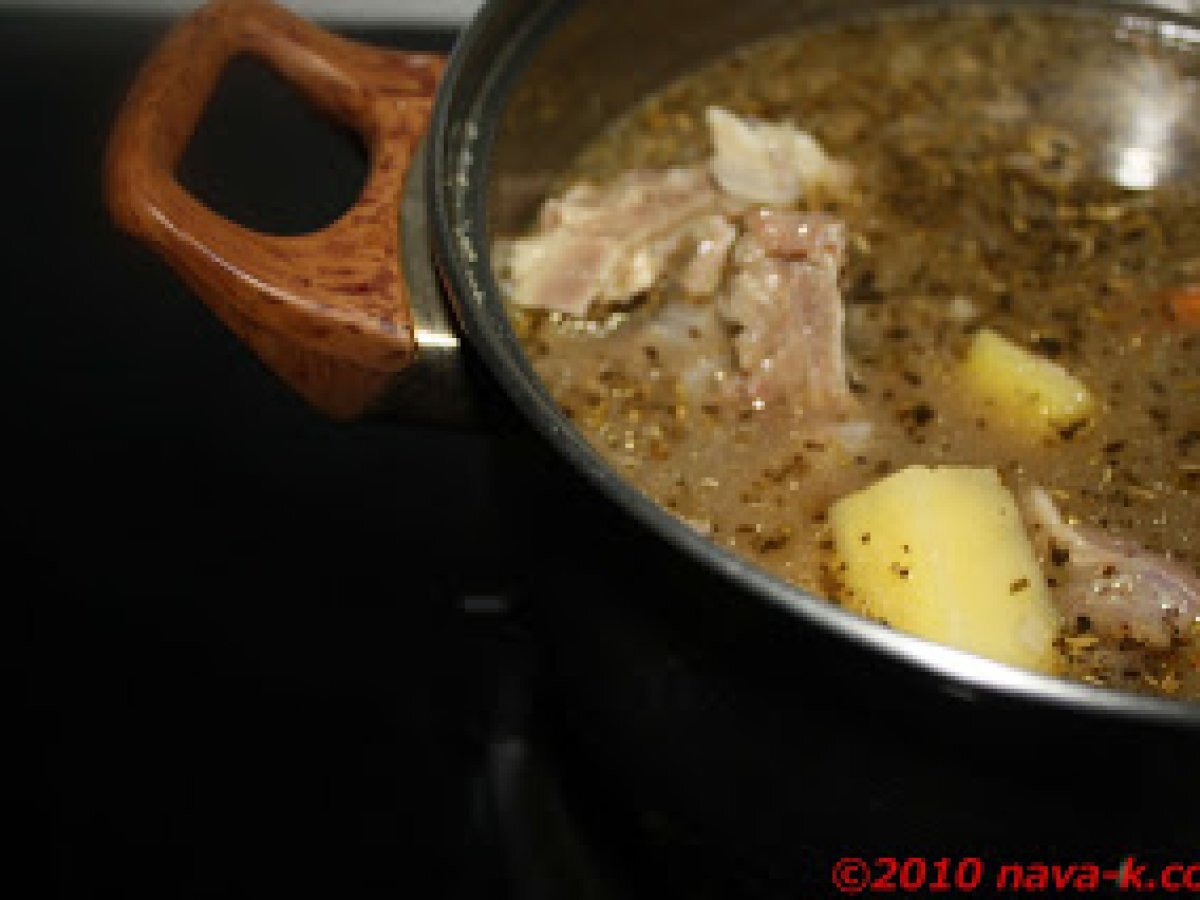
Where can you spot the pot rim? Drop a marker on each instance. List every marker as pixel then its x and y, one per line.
pixel 457 171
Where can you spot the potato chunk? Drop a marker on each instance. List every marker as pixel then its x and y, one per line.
pixel 942 553
pixel 1030 393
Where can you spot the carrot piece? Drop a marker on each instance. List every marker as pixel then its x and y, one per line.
pixel 1185 304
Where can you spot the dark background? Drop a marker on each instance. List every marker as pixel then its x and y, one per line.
pixel 238 627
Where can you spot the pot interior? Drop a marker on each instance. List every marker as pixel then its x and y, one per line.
pixel 531 84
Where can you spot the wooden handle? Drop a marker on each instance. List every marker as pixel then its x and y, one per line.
pixel 327 311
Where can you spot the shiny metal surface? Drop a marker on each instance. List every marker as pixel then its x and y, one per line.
pixel 436 388
pixel 528 84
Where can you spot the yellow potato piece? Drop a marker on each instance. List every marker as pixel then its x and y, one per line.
pixel 942 553
pixel 1028 392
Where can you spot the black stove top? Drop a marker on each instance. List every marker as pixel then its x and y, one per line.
pixel 264 653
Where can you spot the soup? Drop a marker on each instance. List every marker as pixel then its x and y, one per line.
pixel 913 299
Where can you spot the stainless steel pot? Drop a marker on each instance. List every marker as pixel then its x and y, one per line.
pixel 353 317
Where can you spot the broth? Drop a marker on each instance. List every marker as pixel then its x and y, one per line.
pixel 1033 174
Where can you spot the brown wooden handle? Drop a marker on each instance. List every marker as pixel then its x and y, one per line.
pixel 327 311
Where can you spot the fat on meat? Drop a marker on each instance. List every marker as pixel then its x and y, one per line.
pixel 1122 590
pixel 769 162
pixel 613 242
pixel 713 238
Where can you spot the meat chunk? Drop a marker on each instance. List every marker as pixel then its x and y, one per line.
pixel 768 162
pixel 1120 589
pixel 559 270
pixel 801 236
pixel 611 243
pixel 783 299
pixel 713 236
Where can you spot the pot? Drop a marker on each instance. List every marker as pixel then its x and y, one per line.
pixel 392 308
